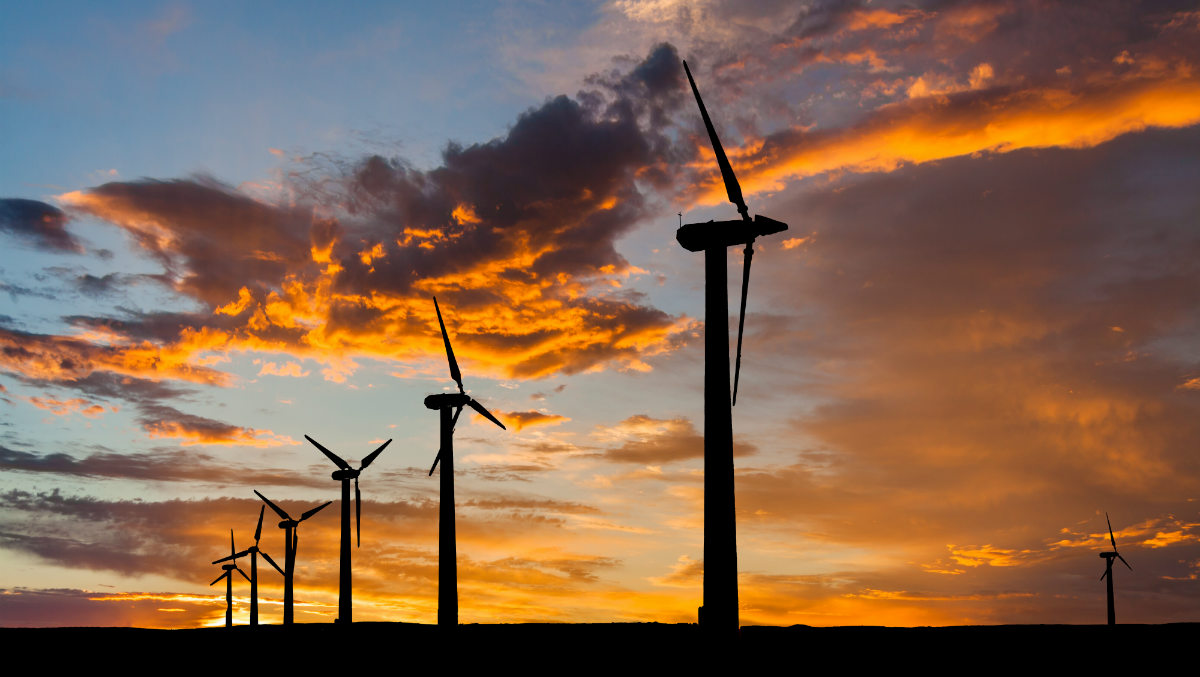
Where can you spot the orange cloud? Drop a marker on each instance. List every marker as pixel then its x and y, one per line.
pixel 66 407
pixel 59 358
pixel 520 420
pixel 936 127
pixel 247 437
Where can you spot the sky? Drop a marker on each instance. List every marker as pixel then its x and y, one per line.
pixel 223 225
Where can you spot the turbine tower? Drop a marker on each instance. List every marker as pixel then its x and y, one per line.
pixel 1108 562
pixel 254 551
pixel 720 603
pixel 228 576
pixel 447 546
pixel 344 474
pixel 290 541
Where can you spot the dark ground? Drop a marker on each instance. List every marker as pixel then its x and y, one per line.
pixel 623 648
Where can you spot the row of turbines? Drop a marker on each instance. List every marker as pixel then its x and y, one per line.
pixel 450 407
pixel 719 610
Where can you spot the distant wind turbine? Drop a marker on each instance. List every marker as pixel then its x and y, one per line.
pixel 344 474
pixel 720 606
pixel 254 552
pixel 228 576
pixel 290 541
pixel 1108 562
pixel 447 546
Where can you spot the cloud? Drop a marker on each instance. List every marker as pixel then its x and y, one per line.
pixel 524 580
pixel 953 324
pixel 90 285
pixel 524 419
pixel 37 223
pixel 62 358
pixel 67 407
pixel 47 608
pixel 931 128
pixel 162 421
pixel 523 262
pixel 647 440
pixel 159 466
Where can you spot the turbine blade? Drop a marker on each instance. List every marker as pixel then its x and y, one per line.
pixel 357 512
pixel 367 461
pixel 278 510
pixel 737 365
pixel 454 421
pixel 1110 533
pixel 223 575
pixel 314 511
pixel 232 549
pixel 1104 574
pixel 243 573
pixel 337 460
pixel 271 561
pixel 258 529
pixel 1123 561
pixel 435 462
pixel 234 556
pixel 295 543
pixel 454 372
pixel 732 188
pixel 479 408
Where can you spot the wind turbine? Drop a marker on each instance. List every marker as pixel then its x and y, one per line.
pixel 720 604
pixel 290 541
pixel 228 576
pixel 1108 562
pixel 345 473
pixel 254 552
pixel 447 546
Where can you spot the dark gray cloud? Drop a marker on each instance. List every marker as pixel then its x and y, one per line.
pixel 158 466
pixel 37 223
pixel 222 240
pixel 15 291
pixel 91 285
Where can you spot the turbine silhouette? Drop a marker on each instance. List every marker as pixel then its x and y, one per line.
pixel 344 474
pixel 254 551
pixel 447 546
pixel 290 541
pixel 228 576
pixel 720 606
pixel 1108 562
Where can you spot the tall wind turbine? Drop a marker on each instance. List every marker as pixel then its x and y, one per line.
pixel 344 474
pixel 290 541
pixel 447 546
pixel 254 551
pixel 720 605
pixel 228 576
pixel 1108 562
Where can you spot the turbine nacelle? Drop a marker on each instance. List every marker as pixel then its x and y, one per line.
pixel 348 474
pixel 228 567
pixel 696 237
pixel 1109 555
pixel 448 400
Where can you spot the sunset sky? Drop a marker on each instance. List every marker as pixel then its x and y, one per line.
pixel 222 225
